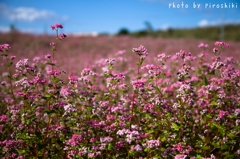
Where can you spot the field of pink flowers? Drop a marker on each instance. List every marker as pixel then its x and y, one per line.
pixel 118 97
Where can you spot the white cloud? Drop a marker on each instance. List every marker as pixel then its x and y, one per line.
pixel 203 23
pixel 164 27
pixel 30 14
pixel 206 23
pixel 27 13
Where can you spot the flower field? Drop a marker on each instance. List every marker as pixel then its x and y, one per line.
pixel 118 97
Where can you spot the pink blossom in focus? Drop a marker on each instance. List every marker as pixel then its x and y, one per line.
pixel 141 51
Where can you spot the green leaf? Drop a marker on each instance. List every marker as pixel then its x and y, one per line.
pixel 225 147
pixel 205 80
pixel 230 135
pixel 3 54
pixel 175 126
pixel 206 147
pixel 232 116
pixel 55 79
pixel 11 78
pixel 110 146
pixel 50 111
pixel 163 139
pixel 131 153
pixel 140 62
pixel 157 89
pixel 110 67
pixel 213 103
pixel 21 152
pixel 50 63
pixel 212 72
pixel 9 64
pixel 199 70
pixel 220 128
pixel 238 63
pixel 209 115
pixel 48 95
pixel 216 144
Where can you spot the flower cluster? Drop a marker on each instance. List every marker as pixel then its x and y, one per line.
pixel 221 44
pixel 56 26
pixel 141 51
pixel 4 47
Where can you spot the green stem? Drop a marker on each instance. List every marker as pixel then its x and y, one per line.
pixel 45 138
pixel 10 81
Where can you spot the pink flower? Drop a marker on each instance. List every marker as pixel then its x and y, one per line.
pixel 53 27
pixel 73 79
pixel 221 44
pixel 52 44
pixel 54 72
pixel 62 36
pixel 65 91
pixel 221 114
pixel 180 156
pixel 58 26
pixel 75 140
pixel 138 83
pixel 48 56
pixel 202 45
pixel 12 57
pixel 138 148
pixel 141 51
pixel 153 143
pixel 3 118
pixel 215 49
pixel 4 47
pixel 121 52
pixel 179 147
pixel 162 57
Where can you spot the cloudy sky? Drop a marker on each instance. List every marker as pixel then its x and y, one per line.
pixel 108 16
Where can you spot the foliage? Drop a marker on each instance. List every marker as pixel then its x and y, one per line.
pixel 123 31
pixel 231 33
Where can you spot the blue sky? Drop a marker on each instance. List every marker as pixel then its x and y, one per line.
pixel 109 16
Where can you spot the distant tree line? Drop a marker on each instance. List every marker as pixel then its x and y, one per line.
pixel 231 32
